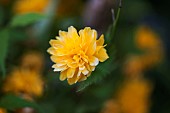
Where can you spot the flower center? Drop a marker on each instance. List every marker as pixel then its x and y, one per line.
pixel 80 57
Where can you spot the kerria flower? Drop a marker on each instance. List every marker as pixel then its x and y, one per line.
pixel 147 39
pixel 77 54
pixel 2 110
pixel 134 96
pixel 33 61
pixel 27 6
pixel 24 82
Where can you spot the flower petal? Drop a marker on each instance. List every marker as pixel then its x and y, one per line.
pixel 73 80
pixel 56 44
pixel 100 41
pixel 102 55
pixel 61 68
pixel 52 51
pixel 82 78
pixel 63 75
pixel 93 61
pixel 85 71
pixel 70 72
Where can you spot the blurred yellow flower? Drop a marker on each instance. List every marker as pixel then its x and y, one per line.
pixel 27 6
pixel 2 110
pixel 24 81
pixel 33 61
pixel 76 55
pixel 153 52
pixel 146 38
pixel 133 97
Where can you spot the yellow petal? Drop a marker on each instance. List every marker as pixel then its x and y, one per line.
pixel 82 67
pixel 73 80
pixel 52 51
pixel 72 32
pixel 85 71
pixel 100 41
pixel 93 61
pixel 70 72
pixel 56 43
pixel 102 55
pixel 63 75
pixel 91 48
pixel 58 58
pixel 62 34
pixel 61 68
pixel 82 78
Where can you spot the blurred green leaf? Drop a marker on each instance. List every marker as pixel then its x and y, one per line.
pixel 12 102
pixel 18 35
pixel 4 34
pixel 25 19
pixel 1 16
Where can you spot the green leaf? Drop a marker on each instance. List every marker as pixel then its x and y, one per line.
pixel 12 102
pixel 4 35
pixel 18 35
pixel 25 19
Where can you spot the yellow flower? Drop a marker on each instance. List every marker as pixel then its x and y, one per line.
pixel 2 110
pixel 146 38
pixel 27 6
pixel 134 96
pixel 24 81
pixel 33 61
pixel 77 55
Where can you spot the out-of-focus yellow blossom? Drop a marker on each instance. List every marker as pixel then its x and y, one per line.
pixel 32 61
pixel 134 96
pixel 2 110
pixel 77 55
pixel 136 64
pixel 146 38
pixel 24 82
pixel 27 6
pixel 111 106
pixel 153 52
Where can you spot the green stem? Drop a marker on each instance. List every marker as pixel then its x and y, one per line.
pixel 115 22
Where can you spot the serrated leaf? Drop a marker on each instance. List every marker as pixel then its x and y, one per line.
pixel 25 19
pixel 4 35
pixel 12 102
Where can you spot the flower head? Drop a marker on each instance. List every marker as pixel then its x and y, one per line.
pixel 24 81
pixel 33 61
pixel 146 38
pixel 134 96
pixel 2 110
pixel 77 54
pixel 27 6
